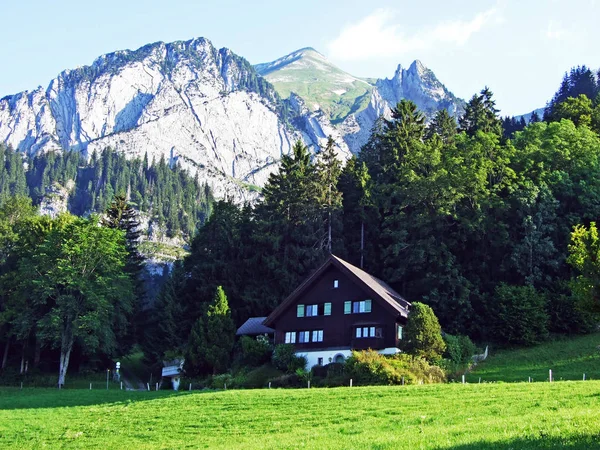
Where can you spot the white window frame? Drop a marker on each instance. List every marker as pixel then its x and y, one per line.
pixel 317 336
pixel 348 309
pixel 312 310
pixel 290 337
pixel 303 337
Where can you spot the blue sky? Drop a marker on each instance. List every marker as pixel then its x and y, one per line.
pixel 520 49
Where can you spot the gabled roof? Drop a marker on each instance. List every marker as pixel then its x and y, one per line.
pixel 254 326
pixel 371 284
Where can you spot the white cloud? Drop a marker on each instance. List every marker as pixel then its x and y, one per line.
pixel 555 31
pixel 378 36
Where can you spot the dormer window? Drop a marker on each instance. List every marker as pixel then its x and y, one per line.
pixel 336 284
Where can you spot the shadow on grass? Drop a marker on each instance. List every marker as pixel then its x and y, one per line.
pixel 53 398
pixel 583 442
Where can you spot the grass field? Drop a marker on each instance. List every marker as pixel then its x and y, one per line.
pixel 569 359
pixel 450 416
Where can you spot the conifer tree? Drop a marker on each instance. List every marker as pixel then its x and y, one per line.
pixel 212 337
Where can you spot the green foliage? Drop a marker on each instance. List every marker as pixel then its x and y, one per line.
pixel 76 289
pixel 584 252
pixel 255 351
pixel 423 334
pixel 169 195
pixel 518 315
pixel 211 339
pixel 459 349
pixel 369 367
pixel 285 359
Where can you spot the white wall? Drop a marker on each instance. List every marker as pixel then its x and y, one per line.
pixel 312 357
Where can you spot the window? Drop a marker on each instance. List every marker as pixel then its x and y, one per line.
pixel 312 310
pixel 347 307
pixel 317 336
pixel 361 307
pixel 366 332
pixel 327 309
pixel 320 361
pixel 303 337
pixel 336 284
pixel 300 311
pixel 399 332
pixel 290 337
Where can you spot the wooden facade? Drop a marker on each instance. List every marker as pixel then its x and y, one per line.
pixel 346 298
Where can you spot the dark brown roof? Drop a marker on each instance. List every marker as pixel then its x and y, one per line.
pixel 371 284
pixel 254 326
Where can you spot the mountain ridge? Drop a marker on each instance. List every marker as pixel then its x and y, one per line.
pixel 209 110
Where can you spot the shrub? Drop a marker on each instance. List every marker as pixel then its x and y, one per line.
pixel 290 380
pixel 369 367
pixel 219 381
pixel 423 334
pixel 255 352
pixel 285 359
pixel 259 377
pixel 518 315
pixel 459 349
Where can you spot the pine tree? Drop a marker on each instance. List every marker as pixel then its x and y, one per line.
pixel 481 115
pixel 212 337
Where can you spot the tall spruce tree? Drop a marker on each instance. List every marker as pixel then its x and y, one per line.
pixel 212 338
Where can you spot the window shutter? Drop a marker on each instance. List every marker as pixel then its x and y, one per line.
pixel 347 307
pixel 300 310
pixel 327 309
pixel 367 305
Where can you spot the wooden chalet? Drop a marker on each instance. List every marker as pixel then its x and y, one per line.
pixel 339 308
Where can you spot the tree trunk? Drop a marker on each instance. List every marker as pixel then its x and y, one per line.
pixel 5 357
pixel 38 353
pixel 22 359
pixel 65 353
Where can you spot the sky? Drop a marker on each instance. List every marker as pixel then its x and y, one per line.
pixel 520 49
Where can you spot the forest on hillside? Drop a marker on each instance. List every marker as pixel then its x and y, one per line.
pixel 493 228
pixel 169 196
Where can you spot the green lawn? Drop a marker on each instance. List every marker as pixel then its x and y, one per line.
pixel 450 416
pixel 569 359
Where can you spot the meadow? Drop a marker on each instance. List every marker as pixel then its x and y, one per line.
pixel 450 416
pixel 568 358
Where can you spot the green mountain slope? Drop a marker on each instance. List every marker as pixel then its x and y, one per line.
pixel 321 84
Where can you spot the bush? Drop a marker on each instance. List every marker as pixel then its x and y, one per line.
pixel 369 367
pixel 518 315
pixel 219 381
pixel 259 377
pixel 290 380
pixel 459 349
pixel 254 352
pixel 285 359
pixel 423 334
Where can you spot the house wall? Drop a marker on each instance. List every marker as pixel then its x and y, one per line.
pixel 338 328
pixel 312 357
